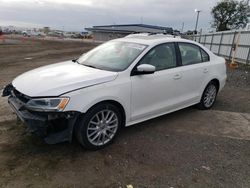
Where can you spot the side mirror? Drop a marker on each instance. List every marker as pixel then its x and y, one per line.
pixel 145 69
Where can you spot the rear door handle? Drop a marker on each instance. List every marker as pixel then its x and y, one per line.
pixel 177 77
pixel 205 70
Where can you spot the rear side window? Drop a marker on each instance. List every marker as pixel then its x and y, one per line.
pixel 190 54
pixel 205 56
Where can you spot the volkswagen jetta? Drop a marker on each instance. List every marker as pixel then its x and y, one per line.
pixel 119 83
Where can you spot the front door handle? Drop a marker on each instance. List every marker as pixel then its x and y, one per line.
pixel 205 70
pixel 177 77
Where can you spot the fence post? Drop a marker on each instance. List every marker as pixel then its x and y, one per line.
pixel 191 37
pixel 211 41
pixel 248 55
pixel 205 38
pixel 200 37
pixel 220 43
pixel 232 46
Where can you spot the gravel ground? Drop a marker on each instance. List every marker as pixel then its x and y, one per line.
pixel 235 97
pixel 239 78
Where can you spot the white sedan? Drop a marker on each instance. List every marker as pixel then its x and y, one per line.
pixel 119 83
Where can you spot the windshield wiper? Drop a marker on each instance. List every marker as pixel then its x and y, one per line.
pixel 90 66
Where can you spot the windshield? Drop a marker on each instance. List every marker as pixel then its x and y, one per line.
pixel 112 56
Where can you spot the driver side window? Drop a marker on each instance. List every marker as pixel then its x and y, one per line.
pixel 162 57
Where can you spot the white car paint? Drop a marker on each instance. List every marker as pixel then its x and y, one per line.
pixel 56 79
pixel 142 97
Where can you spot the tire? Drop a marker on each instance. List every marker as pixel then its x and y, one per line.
pixel 209 96
pixel 99 126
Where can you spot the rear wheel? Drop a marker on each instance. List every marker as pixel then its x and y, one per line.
pixel 209 96
pixel 99 126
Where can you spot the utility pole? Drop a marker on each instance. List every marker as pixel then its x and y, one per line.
pixel 197 20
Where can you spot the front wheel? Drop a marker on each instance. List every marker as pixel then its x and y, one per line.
pixel 208 97
pixel 99 126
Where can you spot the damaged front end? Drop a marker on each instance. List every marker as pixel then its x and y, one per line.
pixel 49 122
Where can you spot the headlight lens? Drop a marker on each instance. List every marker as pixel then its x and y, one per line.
pixel 47 104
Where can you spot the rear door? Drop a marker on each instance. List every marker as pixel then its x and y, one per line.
pixel 194 71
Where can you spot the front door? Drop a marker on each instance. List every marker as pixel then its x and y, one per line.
pixel 156 93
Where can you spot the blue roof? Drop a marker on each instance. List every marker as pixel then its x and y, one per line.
pixel 139 25
pixel 131 28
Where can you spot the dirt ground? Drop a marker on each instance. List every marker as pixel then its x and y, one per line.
pixel 188 148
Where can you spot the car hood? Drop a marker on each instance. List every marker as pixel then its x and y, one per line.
pixel 60 78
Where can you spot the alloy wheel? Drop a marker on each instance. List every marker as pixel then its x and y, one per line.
pixel 102 127
pixel 210 95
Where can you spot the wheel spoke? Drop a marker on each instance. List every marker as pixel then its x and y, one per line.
pixel 112 126
pixel 92 122
pixel 107 135
pixel 103 138
pixel 111 131
pixel 93 133
pixel 112 121
pixel 111 117
pixel 107 115
pixel 99 138
pixel 103 117
pixel 95 137
pixel 97 116
pixel 92 128
pixel 206 99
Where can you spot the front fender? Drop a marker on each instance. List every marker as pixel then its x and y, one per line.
pixel 82 100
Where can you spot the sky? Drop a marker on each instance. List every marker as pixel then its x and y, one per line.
pixel 75 15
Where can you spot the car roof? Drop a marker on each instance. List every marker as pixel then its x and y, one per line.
pixel 152 39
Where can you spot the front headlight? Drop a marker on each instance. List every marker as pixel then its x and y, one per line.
pixel 47 104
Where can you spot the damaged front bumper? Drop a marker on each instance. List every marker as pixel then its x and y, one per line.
pixel 54 127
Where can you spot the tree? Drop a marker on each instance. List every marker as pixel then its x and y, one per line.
pixel 230 14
